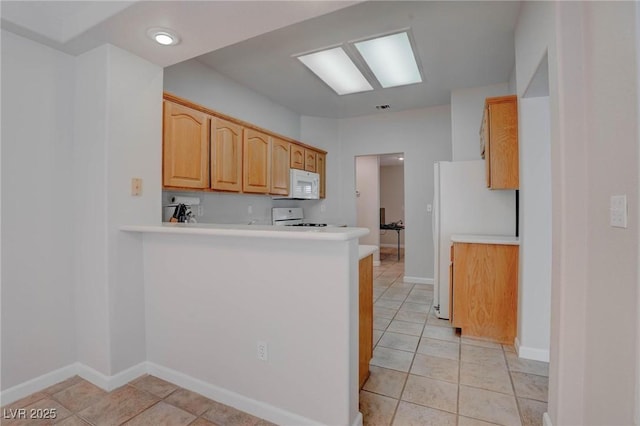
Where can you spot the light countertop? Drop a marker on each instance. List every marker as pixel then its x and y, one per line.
pixel 256 231
pixel 486 239
pixel 364 251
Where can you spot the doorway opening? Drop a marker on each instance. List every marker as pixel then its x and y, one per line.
pixel 380 204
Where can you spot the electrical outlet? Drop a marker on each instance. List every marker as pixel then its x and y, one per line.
pixel 136 187
pixel 263 351
pixel 200 211
pixel 618 211
pixel 323 207
pixel 250 209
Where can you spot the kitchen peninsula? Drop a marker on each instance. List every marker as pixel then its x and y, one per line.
pixel 219 297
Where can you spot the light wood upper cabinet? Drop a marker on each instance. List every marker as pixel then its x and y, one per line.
pixel 256 162
pixel 499 142
pixel 185 147
pixel 226 155
pixel 279 167
pixel 322 171
pixel 297 157
pixel 484 291
pixel 207 150
pixel 310 157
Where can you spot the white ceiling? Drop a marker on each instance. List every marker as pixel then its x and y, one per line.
pixel 75 27
pixel 459 44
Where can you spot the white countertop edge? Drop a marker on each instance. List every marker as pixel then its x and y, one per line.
pixel 365 250
pixel 486 239
pixel 255 231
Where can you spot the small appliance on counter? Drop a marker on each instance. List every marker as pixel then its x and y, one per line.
pixel 182 213
pixel 179 210
pixel 291 216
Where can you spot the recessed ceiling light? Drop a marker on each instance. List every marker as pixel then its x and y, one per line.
pixel 163 36
pixel 336 69
pixel 391 59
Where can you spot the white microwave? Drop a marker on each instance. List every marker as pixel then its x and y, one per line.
pixel 303 186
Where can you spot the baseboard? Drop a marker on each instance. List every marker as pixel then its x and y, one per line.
pixel 110 383
pixel 534 354
pixel 37 384
pixel 546 420
pixel 417 280
pixel 104 382
pixel 358 421
pixel 240 402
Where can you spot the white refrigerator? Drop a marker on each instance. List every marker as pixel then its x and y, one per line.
pixel 462 204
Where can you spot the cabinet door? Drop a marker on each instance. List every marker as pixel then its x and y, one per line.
pixel 297 157
pixel 185 147
pixel 226 155
pixel 322 171
pixel 310 160
pixel 256 164
pixel 279 167
pixel 485 301
pixel 366 316
pixel 501 150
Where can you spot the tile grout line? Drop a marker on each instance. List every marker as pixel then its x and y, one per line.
pixel 513 386
pixel 406 379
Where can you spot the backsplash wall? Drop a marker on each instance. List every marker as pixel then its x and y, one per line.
pixel 227 208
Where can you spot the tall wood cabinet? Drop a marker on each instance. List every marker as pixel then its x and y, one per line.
pixel 484 290
pixel 186 147
pixel 226 155
pixel 256 174
pixel 499 142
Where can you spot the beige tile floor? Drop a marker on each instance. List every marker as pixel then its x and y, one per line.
pixel 423 373
pixel 146 401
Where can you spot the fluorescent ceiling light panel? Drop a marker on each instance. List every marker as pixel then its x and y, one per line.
pixel 334 67
pixel 391 59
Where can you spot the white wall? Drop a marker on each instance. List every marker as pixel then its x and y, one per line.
pixel 134 149
pixel 37 229
pixel 308 320
pixel 90 210
pixel 392 199
pixel 323 133
pixel 534 293
pixel 467 106
pixel 368 199
pixel 612 152
pixel 424 135
pixel 117 136
pixel 592 54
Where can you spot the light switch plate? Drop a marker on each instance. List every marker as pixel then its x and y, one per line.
pixel 618 211
pixel 136 187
